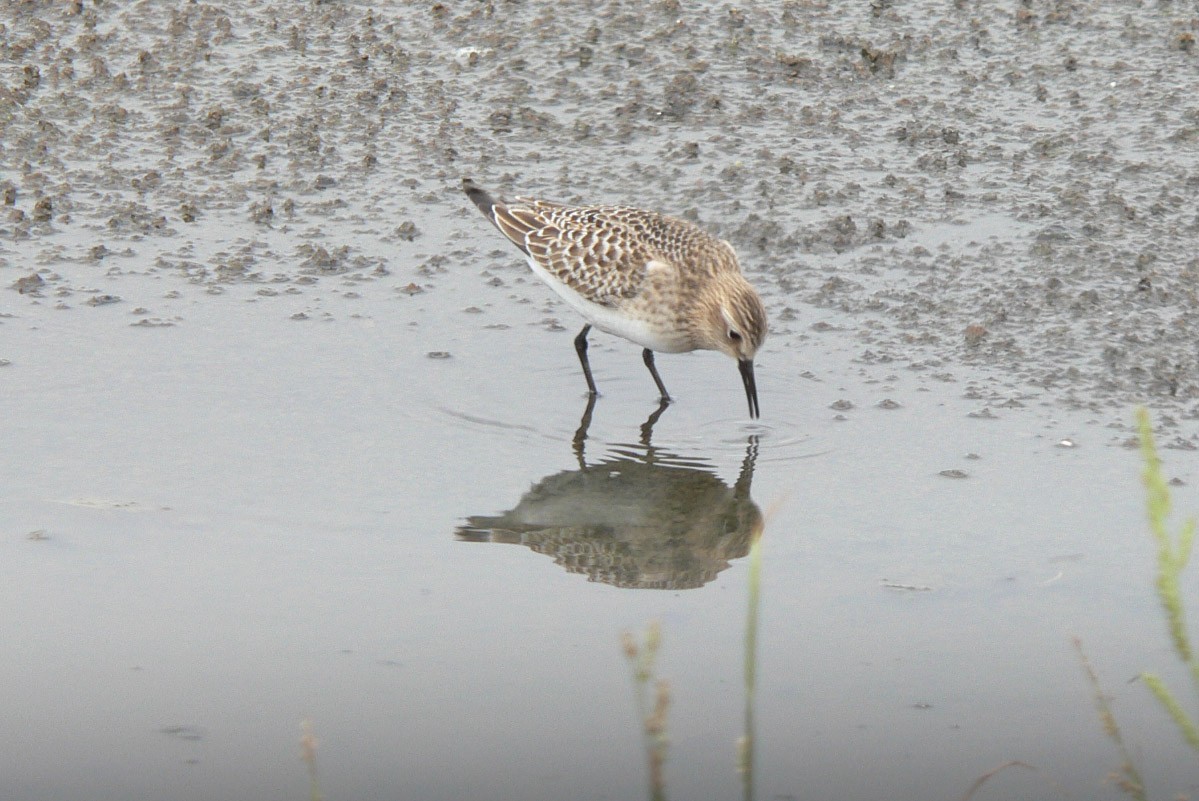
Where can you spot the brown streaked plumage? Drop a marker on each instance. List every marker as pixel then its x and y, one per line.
pixel 655 280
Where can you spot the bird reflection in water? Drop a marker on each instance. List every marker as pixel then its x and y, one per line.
pixel 641 518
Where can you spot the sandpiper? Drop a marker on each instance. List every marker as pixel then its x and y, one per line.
pixel 658 281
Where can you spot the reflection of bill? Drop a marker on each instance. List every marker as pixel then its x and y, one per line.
pixel 640 518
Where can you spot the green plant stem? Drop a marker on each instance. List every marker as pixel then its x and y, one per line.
pixel 746 743
pixel 1183 721
pixel 1172 558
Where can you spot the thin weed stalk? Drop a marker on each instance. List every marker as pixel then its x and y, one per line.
pixel 1127 778
pixel 642 658
pixel 308 744
pixel 745 744
pixel 1172 557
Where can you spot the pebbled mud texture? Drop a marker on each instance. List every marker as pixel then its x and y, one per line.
pixel 1008 186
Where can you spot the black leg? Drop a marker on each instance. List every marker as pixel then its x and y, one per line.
pixel 647 356
pixel 581 349
pixel 647 428
pixel 581 432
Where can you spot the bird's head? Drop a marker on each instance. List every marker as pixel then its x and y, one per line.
pixel 735 324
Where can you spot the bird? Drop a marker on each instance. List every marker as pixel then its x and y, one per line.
pixel 658 281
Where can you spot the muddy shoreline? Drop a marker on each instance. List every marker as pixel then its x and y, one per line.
pixel 1005 187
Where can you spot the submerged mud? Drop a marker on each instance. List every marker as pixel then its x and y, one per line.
pixel 1004 186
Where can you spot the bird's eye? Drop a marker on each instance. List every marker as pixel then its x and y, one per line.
pixel 734 335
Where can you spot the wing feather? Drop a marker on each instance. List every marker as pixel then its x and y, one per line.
pixel 586 250
pixel 605 253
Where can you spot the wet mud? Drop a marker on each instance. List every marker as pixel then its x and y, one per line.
pixel 1010 187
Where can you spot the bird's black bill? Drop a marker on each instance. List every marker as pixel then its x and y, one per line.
pixel 751 389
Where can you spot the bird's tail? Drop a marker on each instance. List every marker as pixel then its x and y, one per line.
pixel 479 197
pixel 515 225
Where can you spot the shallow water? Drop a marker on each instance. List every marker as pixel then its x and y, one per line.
pixel 291 434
